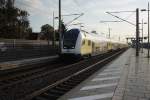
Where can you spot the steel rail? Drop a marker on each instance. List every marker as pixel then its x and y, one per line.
pixel 31 96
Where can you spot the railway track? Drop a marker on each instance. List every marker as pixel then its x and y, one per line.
pixel 13 76
pixel 53 83
pixel 56 90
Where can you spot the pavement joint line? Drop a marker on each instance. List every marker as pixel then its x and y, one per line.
pixel 111 70
pixel 115 68
pixel 98 86
pixel 106 78
pixel 94 97
pixel 107 73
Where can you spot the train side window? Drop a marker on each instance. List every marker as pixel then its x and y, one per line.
pixel 83 42
pixel 89 42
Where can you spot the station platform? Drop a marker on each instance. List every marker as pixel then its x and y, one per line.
pixel 25 62
pixel 125 78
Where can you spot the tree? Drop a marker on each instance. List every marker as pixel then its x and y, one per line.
pixel 2 3
pixel 14 22
pixel 63 28
pixel 47 31
pixel 56 35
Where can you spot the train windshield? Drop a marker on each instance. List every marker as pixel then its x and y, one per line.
pixel 70 38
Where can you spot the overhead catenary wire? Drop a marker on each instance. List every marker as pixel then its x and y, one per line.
pixel 120 18
pixel 122 11
pixel 76 2
pixel 75 18
pixel 129 16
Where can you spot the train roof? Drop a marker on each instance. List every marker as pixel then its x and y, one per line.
pixel 98 37
pixel 94 37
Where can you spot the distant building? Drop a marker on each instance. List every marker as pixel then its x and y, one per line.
pixel 34 36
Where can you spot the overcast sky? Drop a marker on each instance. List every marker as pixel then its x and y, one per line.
pixel 41 12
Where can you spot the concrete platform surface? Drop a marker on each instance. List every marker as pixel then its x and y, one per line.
pixel 125 78
pixel 25 62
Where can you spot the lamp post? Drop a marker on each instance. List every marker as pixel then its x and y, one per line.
pixel 148 28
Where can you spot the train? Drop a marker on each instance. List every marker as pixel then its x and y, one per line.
pixel 79 43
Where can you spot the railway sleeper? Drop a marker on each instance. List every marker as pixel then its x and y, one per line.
pixel 1 84
pixel 50 95
pixel 70 83
pixel 66 86
pixel 74 81
pixel 13 79
pixel 63 88
pixel 56 91
pixel 81 77
pixel 46 96
pixel 53 95
pixel 5 82
pixel 39 98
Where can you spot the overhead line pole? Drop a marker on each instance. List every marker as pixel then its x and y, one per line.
pixel 148 44
pixel 60 35
pixel 142 35
pixel 148 31
pixel 137 32
pixel 53 29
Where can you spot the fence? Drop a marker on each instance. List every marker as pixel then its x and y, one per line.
pixel 15 49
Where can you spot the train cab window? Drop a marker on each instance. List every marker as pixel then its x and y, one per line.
pixel 70 38
pixel 89 42
pixel 83 42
